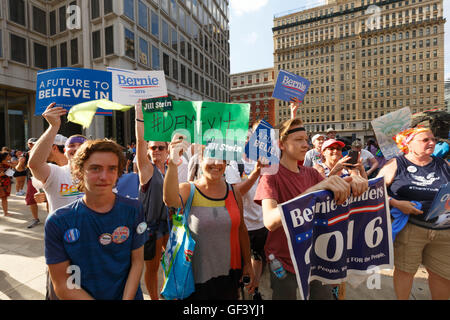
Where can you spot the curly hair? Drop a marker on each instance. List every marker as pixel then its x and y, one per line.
pixel 86 150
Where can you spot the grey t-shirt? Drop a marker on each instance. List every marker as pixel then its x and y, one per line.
pixel 311 157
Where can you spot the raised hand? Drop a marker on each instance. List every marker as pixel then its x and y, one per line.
pixel 53 114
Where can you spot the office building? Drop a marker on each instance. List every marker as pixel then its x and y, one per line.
pixel 255 87
pixel 364 59
pixel 188 39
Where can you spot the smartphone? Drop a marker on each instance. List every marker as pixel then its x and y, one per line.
pixel 354 157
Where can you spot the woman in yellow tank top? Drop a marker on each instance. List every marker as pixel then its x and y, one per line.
pixel 222 252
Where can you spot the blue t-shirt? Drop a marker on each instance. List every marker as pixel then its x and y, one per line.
pixel 100 244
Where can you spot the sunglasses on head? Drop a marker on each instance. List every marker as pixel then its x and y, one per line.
pixel 161 148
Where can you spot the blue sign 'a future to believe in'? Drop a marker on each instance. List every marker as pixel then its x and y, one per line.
pixel 263 145
pixel 290 86
pixel 71 86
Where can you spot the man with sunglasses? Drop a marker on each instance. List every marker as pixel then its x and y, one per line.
pixel 151 164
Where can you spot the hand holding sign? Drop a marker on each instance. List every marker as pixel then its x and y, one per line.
pixel 138 110
pixel 53 115
pixel 295 104
pixel 177 147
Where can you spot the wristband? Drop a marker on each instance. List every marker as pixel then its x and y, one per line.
pixel 139 120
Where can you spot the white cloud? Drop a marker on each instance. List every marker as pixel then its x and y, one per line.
pixel 241 7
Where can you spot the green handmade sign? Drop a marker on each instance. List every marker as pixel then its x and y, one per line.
pixel 222 127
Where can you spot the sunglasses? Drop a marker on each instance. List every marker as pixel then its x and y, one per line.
pixel 160 148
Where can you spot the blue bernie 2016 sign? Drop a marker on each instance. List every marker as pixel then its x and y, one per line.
pixel 290 87
pixel 330 242
pixel 263 144
pixel 71 86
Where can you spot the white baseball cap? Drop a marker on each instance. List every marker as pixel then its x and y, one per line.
pixel 60 140
pixel 315 137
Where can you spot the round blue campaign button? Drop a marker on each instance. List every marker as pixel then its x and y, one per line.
pixel 72 235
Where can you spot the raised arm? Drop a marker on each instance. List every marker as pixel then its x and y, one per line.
pixel 41 150
pixel 247 184
pixel 171 187
pixel 143 163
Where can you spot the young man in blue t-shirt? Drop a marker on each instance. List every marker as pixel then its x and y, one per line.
pixel 100 236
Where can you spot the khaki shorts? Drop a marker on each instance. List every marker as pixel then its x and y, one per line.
pixel 415 245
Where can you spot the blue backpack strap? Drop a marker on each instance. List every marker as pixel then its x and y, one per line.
pixel 187 207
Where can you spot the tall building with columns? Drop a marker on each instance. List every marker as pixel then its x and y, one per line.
pixel 364 58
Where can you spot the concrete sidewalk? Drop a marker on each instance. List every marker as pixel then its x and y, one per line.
pixel 23 268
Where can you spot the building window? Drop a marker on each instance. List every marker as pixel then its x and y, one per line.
pixel 182 46
pixel 62 19
pixel 182 18
pixel 165 32
pixel 183 74
pixel 155 58
pixel 74 51
pixel 52 22
pixel 174 39
pixel 39 20
pixel 17 11
pixel 173 9
pixel 143 51
pixel 109 40
pixel 175 69
pixel 189 78
pixel 155 24
pixel 166 64
pixel 165 6
pixel 63 54
pixel 128 8
pixel 95 9
pixel 143 15
pixel 18 49
pixel 53 57
pixel 107 6
pixel 129 44
pixel 40 56
pixel 96 45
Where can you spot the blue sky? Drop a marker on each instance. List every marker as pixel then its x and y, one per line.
pixel 251 22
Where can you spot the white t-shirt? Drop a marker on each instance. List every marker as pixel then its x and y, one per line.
pixel 366 156
pixel 311 158
pixel 253 215
pixel 59 187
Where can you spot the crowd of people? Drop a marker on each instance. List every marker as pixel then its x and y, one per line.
pixel 110 207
